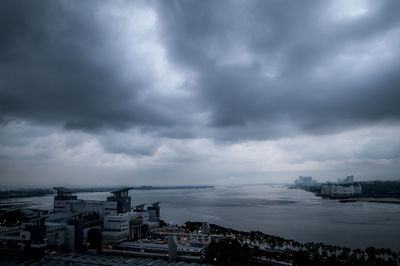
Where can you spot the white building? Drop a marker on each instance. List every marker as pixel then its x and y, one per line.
pixel 89 206
pixel 348 180
pixel 341 191
pixel 115 228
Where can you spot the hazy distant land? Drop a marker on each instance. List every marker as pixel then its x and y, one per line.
pixel 36 192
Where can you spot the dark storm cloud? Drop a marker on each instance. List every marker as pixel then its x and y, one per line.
pixel 291 41
pixel 58 66
pixel 253 69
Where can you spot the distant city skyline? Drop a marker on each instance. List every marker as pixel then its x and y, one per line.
pixel 198 92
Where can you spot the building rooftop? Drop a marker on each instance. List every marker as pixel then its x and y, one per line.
pixel 122 189
pixel 64 258
pixel 140 207
pixel 63 189
pixel 157 246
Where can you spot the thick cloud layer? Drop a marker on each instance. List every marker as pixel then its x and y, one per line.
pixel 276 62
pixel 186 79
pixel 60 65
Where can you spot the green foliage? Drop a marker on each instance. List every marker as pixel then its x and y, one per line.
pixel 228 252
pixel 235 251
pixel 381 188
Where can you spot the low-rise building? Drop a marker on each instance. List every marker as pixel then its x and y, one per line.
pixel 116 228
pixel 341 190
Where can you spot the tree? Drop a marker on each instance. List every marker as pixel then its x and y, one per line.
pixel 371 252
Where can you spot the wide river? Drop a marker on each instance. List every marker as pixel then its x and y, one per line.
pixel 290 213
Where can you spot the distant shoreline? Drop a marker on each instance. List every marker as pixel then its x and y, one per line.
pixel 372 191
pixel 39 192
pixel 170 187
pixel 371 199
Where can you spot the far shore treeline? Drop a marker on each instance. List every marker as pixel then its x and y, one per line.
pixel 374 188
pixel 37 192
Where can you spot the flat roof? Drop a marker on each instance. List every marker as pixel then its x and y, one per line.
pixel 64 258
pixel 127 244
pixel 122 189
pixel 63 189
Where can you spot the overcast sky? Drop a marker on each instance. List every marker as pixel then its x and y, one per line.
pixel 198 92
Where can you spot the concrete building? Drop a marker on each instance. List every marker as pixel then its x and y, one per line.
pixel 158 250
pixel 119 202
pixel 154 215
pixel 172 248
pixel 348 180
pixel 122 198
pixel 63 196
pixel 55 235
pixel 111 226
pixel 92 206
pixel 196 238
pixel 139 223
pixel 117 220
pixel 77 230
pixel 341 190
pixel 154 212
pixel 27 239
pixel 116 228
pixel 305 181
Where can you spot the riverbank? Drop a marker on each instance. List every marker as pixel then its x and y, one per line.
pixel 38 192
pixel 371 199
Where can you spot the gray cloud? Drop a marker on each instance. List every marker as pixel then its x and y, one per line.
pixel 185 81
pixel 291 41
pixel 254 65
pixel 58 66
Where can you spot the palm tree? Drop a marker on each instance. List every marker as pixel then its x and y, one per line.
pixel 394 256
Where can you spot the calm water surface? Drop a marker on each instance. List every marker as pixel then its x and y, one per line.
pixel 290 213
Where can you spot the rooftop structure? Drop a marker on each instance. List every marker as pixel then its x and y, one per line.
pixel 62 191
pixel 139 208
pixel 121 196
pixel 63 196
pixel 154 212
pixel 348 180
pixel 158 250
pixel 123 192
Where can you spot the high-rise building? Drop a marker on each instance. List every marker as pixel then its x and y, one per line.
pixel 121 196
pixel 63 196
